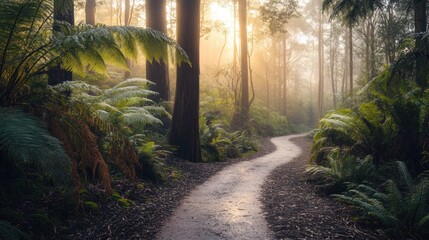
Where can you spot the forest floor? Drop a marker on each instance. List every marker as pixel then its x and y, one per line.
pixel 295 209
pixel 152 204
pixel 292 207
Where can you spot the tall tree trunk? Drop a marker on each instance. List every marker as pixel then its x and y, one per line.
pixel 110 12
pixel 332 54
pixel 185 124
pixel 90 8
pixel 156 19
pixel 63 11
pixel 420 21
pixel 127 9
pixel 351 59
pixel 242 116
pixel 266 79
pixel 321 69
pixel 284 75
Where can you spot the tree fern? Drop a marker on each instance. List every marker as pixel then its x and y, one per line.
pixel 24 139
pixel 29 45
pixel 125 103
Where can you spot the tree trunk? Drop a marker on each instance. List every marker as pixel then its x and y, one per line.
pixel 321 69
pixel 185 124
pixel 63 11
pixel 351 59
pixel 284 75
pixel 241 117
pixel 332 63
pixel 420 21
pixel 267 81
pixel 90 8
pixel 157 72
pixel 127 10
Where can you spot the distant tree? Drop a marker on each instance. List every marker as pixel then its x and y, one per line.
pixel 64 12
pixel 241 116
pixel 321 85
pixel 350 12
pixel 276 13
pixel 90 8
pixel 422 51
pixel 184 131
pixel 157 72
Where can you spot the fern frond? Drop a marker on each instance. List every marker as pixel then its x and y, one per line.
pixel 25 139
pixel 133 115
pixel 77 87
pixel 134 82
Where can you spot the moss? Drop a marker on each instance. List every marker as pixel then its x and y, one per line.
pixel 91 206
pixel 125 202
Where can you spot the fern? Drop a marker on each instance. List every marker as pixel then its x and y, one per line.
pixel 24 139
pixel 125 103
pixel 341 171
pixel 29 46
pixel 404 212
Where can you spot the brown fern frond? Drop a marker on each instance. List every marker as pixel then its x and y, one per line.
pixel 82 146
pixel 125 157
pixel 58 132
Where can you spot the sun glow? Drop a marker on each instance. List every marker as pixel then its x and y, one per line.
pixel 223 14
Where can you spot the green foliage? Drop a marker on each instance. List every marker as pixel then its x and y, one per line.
pixel 351 11
pixel 268 123
pixel 91 206
pixel 403 212
pixel 25 140
pixel 125 105
pixel 151 157
pixel 31 46
pixel 342 170
pixel 277 13
pixel 217 143
pixel 9 232
pixel 124 202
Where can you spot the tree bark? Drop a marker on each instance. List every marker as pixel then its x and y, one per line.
pixel 90 8
pixel 332 63
pixel 351 59
pixel 242 7
pixel 321 69
pixel 420 21
pixel 156 19
pixel 127 13
pixel 127 10
pixel 284 75
pixel 241 116
pixel 185 124
pixel 63 11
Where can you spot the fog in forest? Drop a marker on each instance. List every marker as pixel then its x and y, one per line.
pixel 284 56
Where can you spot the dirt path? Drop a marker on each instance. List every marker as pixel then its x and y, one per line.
pixel 227 206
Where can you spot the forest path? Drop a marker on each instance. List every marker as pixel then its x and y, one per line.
pixel 228 206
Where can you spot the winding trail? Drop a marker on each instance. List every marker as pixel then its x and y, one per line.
pixel 227 205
